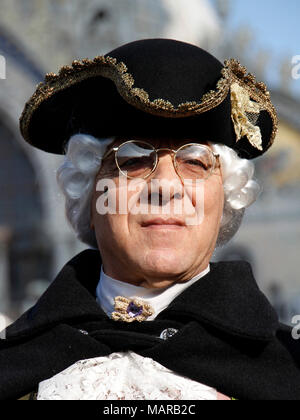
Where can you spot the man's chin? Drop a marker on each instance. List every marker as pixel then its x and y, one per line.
pixel 163 262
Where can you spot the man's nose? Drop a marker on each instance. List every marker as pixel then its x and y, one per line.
pixel 165 167
pixel 165 184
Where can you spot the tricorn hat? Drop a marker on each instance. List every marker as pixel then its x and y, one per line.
pixel 152 87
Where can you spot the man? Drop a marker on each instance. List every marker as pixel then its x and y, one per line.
pixel 151 116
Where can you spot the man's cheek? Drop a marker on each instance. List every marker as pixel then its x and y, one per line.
pixel 107 203
pixel 194 204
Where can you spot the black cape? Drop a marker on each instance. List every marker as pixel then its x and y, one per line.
pixel 228 335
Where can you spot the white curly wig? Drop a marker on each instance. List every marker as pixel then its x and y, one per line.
pixel 76 177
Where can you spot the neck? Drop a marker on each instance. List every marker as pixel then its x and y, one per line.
pixel 108 288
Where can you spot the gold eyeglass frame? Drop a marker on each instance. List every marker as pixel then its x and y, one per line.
pixel 215 157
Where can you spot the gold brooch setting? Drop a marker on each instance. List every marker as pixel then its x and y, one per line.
pixel 130 310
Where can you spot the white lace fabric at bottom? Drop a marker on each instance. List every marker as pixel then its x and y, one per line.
pixel 122 376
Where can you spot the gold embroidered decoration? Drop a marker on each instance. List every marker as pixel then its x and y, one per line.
pixel 258 93
pixel 243 110
pixel 109 68
pixel 130 310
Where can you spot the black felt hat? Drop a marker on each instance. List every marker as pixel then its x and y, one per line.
pixel 152 87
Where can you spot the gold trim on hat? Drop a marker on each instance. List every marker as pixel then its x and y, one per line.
pixel 110 68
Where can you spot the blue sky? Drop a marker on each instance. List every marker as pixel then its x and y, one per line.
pixel 276 28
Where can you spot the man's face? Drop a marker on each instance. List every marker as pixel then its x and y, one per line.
pixel 156 248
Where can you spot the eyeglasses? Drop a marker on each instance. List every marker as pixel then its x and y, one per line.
pixel 139 159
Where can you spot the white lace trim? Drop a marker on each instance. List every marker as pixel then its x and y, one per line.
pixel 122 376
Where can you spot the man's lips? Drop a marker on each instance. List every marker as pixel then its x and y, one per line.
pixel 160 223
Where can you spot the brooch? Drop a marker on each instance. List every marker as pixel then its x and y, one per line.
pixel 129 310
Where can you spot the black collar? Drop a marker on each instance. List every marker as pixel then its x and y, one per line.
pixel 227 298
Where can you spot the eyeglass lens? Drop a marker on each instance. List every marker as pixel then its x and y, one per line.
pixel 137 159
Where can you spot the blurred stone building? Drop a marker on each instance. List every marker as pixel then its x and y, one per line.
pixel 270 234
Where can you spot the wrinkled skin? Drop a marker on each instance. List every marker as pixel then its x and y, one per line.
pixel 157 256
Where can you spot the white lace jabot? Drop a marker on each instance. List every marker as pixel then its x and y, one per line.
pixel 122 376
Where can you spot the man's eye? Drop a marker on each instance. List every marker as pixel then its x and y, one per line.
pixel 196 162
pixel 136 162
pixel 130 162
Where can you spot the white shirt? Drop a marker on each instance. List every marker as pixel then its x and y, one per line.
pixel 159 299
